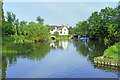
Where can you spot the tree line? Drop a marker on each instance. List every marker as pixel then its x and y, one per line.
pixel 22 30
pixel 103 25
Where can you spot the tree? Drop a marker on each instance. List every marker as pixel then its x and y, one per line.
pixel 70 30
pixel 36 32
pixel 22 23
pixel 104 24
pixel 83 27
pixel 2 17
pixel 9 27
pixel 20 28
pixel 47 25
pixel 40 20
pixel 56 34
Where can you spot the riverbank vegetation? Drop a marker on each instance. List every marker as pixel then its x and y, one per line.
pixel 21 31
pixel 102 26
pixel 113 52
pixel 63 37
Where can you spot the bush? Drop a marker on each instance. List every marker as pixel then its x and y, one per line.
pixel 36 32
pixel 113 51
pixel 7 39
pixel 56 34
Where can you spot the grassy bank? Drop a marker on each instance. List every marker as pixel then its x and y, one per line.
pixel 15 39
pixel 113 51
pixel 63 37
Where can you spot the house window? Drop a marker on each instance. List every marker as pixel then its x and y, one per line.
pixel 64 29
pixel 64 32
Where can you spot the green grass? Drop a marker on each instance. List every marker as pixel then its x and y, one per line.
pixel 63 37
pixel 13 38
pixel 113 51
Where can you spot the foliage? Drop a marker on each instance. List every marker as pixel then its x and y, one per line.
pixel 63 37
pixel 83 28
pixel 40 20
pixel 104 25
pixel 20 28
pixel 113 51
pixel 70 30
pixel 9 27
pixel 36 31
pixel 56 34
pixel 101 25
pixel 6 39
pixel 1 11
pixel 20 31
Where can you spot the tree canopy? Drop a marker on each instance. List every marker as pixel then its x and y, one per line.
pixel 40 20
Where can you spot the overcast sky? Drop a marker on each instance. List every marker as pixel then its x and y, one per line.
pixel 55 13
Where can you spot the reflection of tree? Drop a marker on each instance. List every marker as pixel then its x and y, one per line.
pixel 27 50
pixel 89 48
pixel 93 49
pixel 41 49
pixel 17 48
pixel 0 67
pixel 4 66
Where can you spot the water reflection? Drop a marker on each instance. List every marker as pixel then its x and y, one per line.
pixel 93 49
pixel 89 48
pixel 0 65
pixel 59 44
pixel 27 50
pixel 78 56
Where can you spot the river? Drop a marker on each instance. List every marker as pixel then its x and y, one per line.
pixel 60 59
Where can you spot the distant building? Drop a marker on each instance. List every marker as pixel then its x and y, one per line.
pixel 62 30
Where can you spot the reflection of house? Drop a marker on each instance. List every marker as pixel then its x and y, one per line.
pixel 62 30
pixel 62 45
pixel 52 45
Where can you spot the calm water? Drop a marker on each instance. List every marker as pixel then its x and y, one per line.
pixel 61 59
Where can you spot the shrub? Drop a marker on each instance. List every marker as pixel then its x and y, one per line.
pixel 113 51
pixel 56 34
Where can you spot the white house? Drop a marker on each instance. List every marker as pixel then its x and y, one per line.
pixel 62 30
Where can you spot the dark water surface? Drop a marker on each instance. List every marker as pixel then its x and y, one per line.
pixel 61 59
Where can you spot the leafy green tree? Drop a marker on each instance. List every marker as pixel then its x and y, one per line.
pixel 9 28
pixel 104 25
pixel 47 25
pixel 83 27
pixel 36 31
pixel 22 23
pixel 40 20
pixel 17 26
pixel 20 28
pixel 56 34
pixel 3 22
pixel 70 30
